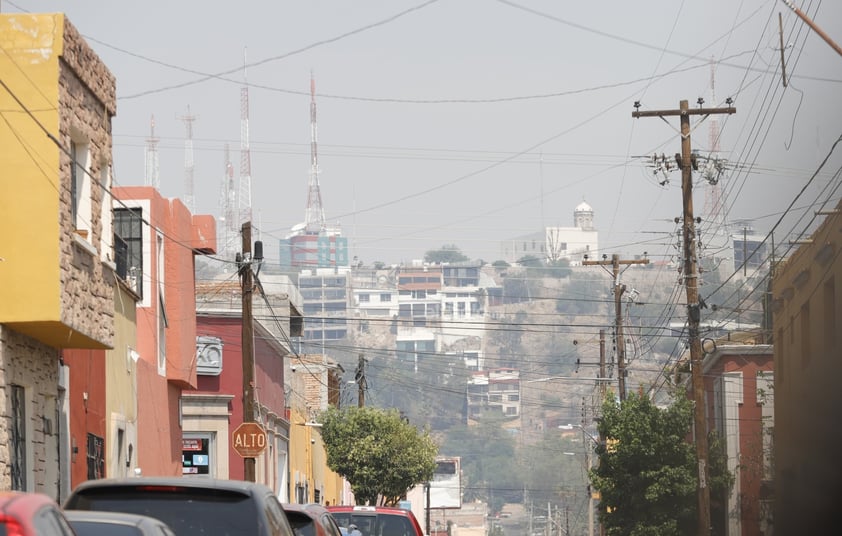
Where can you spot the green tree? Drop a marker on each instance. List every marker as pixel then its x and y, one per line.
pixel 380 454
pixel 530 261
pixel 447 253
pixel 647 472
pixel 489 461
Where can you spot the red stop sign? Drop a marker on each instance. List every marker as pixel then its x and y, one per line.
pixel 249 439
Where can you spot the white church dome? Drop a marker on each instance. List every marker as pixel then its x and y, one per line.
pixel 584 207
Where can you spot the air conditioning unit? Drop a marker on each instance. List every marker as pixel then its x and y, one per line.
pixel 208 356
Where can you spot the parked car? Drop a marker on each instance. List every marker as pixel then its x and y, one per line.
pixel 190 506
pixel 311 520
pixel 94 523
pixel 31 514
pixel 377 520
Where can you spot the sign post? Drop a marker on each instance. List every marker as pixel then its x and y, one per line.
pixel 249 439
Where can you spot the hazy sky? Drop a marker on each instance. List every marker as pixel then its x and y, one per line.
pixel 472 121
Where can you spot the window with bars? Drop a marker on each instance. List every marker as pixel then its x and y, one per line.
pixel 18 437
pixel 128 243
pixel 96 457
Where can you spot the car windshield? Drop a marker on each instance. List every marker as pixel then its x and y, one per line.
pixel 302 524
pixel 375 524
pixel 187 511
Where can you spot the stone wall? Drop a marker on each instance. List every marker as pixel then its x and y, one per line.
pixel 87 103
pixel 34 366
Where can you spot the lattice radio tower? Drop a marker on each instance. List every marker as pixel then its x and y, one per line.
pixel 244 197
pixel 228 229
pixel 189 167
pixel 151 172
pixel 314 216
pixel 712 170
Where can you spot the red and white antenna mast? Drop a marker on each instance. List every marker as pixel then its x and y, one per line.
pixel 151 174
pixel 244 197
pixel 314 216
pixel 189 199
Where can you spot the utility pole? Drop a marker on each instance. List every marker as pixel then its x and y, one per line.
pixel 687 163
pixel 618 320
pixel 813 25
pixel 247 281
pixel 601 365
pixel 359 377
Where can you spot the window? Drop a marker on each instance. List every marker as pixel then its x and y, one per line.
pixel 335 294
pixel 196 454
pixel 95 455
pixel 460 309
pixel 365 298
pixel 18 438
pixel 80 187
pixel 128 247
pixel 385 297
pixel 335 307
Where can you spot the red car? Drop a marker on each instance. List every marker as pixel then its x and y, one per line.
pixel 377 520
pixel 31 514
pixel 311 520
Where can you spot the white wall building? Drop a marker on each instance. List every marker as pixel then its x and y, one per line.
pixel 556 243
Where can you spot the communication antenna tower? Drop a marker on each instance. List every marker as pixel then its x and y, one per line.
pixel 228 231
pixel 314 217
pixel 244 198
pixel 712 169
pixel 151 174
pixel 189 199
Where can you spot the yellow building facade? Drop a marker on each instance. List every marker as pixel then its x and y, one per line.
pixel 807 322
pixel 57 274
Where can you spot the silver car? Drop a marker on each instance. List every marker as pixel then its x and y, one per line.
pixel 93 523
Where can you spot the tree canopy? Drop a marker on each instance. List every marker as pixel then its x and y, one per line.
pixel 647 472
pixel 447 253
pixel 380 454
pixel 489 467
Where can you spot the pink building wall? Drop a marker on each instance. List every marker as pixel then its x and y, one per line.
pixel 182 236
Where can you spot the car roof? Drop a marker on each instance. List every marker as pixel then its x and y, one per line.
pixel 118 518
pixel 22 502
pixel 175 481
pixel 370 509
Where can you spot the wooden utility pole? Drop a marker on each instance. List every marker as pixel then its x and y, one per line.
pixel 813 25
pixel 601 365
pixel 691 283
pixel 359 377
pixel 247 281
pixel 618 313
